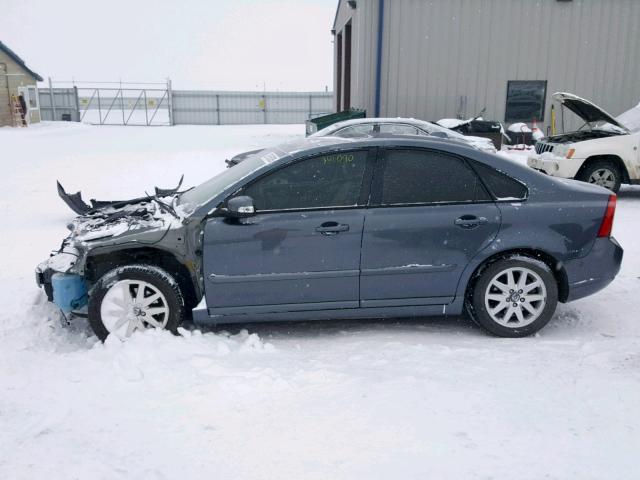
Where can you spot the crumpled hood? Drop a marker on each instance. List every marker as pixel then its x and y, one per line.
pixel 113 221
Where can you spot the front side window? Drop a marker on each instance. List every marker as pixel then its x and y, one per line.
pixel 398 129
pixel 424 176
pixel 331 180
pixel 525 100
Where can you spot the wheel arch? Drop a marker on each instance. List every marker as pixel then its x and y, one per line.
pixel 99 264
pixel 554 264
pixel 615 159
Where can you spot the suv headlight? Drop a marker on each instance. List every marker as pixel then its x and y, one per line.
pixel 564 151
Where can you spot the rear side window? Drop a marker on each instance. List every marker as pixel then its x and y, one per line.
pixel 331 180
pixel 502 186
pixel 422 176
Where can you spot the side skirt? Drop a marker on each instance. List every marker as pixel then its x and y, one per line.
pixel 201 315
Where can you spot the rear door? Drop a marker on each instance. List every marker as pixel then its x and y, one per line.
pixel 301 251
pixel 429 215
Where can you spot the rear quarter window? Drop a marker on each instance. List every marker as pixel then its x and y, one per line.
pixel 502 186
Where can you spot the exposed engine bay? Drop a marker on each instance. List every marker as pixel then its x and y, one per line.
pixel 581 136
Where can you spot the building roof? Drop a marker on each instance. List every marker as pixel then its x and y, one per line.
pixel 19 61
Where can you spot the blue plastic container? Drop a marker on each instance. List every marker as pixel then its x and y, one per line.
pixel 69 291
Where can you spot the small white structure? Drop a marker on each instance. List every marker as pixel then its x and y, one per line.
pixel 16 79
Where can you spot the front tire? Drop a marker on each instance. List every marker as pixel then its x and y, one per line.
pixel 135 297
pixel 513 297
pixel 603 173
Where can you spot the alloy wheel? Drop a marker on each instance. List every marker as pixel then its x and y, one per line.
pixel 603 177
pixel 131 305
pixel 515 297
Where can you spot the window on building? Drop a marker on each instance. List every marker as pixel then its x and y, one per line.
pixel 422 176
pixel 33 98
pixel 331 180
pixel 525 100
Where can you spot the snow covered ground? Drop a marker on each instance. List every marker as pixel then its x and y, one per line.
pixel 421 398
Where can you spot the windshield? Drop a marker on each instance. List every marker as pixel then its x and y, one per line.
pixel 204 192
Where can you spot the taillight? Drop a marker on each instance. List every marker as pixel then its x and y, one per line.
pixel 607 221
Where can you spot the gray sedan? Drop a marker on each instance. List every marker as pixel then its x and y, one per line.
pixel 342 228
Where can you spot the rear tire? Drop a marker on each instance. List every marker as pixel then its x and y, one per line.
pixel 135 297
pixel 513 297
pixel 602 172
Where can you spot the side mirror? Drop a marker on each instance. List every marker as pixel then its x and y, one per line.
pixel 240 207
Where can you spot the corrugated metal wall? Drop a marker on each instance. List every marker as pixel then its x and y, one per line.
pixel 437 51
pixel 196 107
pixel 65 102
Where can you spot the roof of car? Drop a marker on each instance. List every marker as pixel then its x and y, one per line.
pixel 383 139
pixel 292 147
pixel 360 121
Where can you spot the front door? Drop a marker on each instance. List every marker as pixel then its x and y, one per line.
pixel 430 216
pixel 32 103
pixel 301 251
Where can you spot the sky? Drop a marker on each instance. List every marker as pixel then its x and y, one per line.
pixel 198 44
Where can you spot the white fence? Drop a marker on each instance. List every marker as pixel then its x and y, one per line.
pixel 63 107
pixel 164 106
pixel 202 107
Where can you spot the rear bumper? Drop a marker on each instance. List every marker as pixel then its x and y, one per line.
pixel 596 270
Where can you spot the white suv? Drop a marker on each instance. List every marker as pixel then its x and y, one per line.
pixel 603 151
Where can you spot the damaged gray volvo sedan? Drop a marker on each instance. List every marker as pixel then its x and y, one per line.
pixel 340 228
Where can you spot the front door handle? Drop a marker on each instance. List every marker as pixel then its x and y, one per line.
pixel 332 228
pixel 469 222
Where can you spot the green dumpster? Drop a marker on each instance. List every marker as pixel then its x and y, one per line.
pixel 316 124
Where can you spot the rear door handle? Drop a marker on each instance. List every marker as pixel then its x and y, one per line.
pixel 332 228
pixel 470 221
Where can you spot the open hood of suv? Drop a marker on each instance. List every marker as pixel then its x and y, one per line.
pixel 586 110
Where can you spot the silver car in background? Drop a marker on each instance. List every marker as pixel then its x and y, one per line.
pixel 359 127
pixel 364 127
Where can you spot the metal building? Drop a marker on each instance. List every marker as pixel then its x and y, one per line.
pixel 16 79
pixel 433 59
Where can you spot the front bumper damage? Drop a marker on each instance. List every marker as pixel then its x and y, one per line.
pixel 60 276
pixel 555 166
